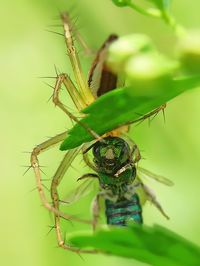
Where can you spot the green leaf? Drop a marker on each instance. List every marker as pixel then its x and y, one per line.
pixel 154 245
pixel 124 105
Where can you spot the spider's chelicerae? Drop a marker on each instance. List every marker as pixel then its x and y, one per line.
pixel 115 155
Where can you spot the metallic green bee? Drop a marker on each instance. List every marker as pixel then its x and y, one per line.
pixel 116 174
pixel 121 184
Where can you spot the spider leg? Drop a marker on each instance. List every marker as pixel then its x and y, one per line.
pixel 87 160
pixel 63 78
pixel 78 73
pixel 162 107
pixel 88 51
pixel 66 162
pixel 35 164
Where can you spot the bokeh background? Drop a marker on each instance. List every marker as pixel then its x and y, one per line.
pixel 171 149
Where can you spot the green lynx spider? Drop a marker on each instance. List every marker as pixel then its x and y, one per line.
pixel 82 96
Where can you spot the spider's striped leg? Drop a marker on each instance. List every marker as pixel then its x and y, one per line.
pixel 78 73
pixel 87 160
pixel 63 78
pixel 66 162
pixel 88 51
pixel 35 164
pixel 154 112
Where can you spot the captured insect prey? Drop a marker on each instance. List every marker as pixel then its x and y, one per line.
pixel 115 155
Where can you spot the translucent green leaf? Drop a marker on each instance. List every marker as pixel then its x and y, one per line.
pixel 154 245
pixel 124 105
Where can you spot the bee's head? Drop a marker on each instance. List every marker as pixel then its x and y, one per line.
pixel 110 155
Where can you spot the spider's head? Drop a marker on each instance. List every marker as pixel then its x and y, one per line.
pixel 111 155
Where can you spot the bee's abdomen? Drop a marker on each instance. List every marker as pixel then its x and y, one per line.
pixel 127 210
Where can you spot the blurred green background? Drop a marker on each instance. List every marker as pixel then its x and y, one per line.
pixel 171 148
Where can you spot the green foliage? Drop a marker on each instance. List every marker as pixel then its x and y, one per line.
pixel 128 104
pixel 150 82
pixel 161 10
pixel 154 245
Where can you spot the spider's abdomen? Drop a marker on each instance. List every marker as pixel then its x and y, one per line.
pixel 127 210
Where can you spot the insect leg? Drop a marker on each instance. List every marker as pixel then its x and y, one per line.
pixel 152 197
pixel 95 210
pixel 134 152
pixel 35 164
pixel 66 162
pixel 123 169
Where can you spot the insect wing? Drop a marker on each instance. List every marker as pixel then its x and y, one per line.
pixel 144 173
pixel 140 191
pixel 86 187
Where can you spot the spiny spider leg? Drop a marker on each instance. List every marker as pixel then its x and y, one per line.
pixel 87 160
pixel 78 73
pixel 63 78
pixel 35 164
pixel 162 107
pixel 88 51
pixel 66 162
